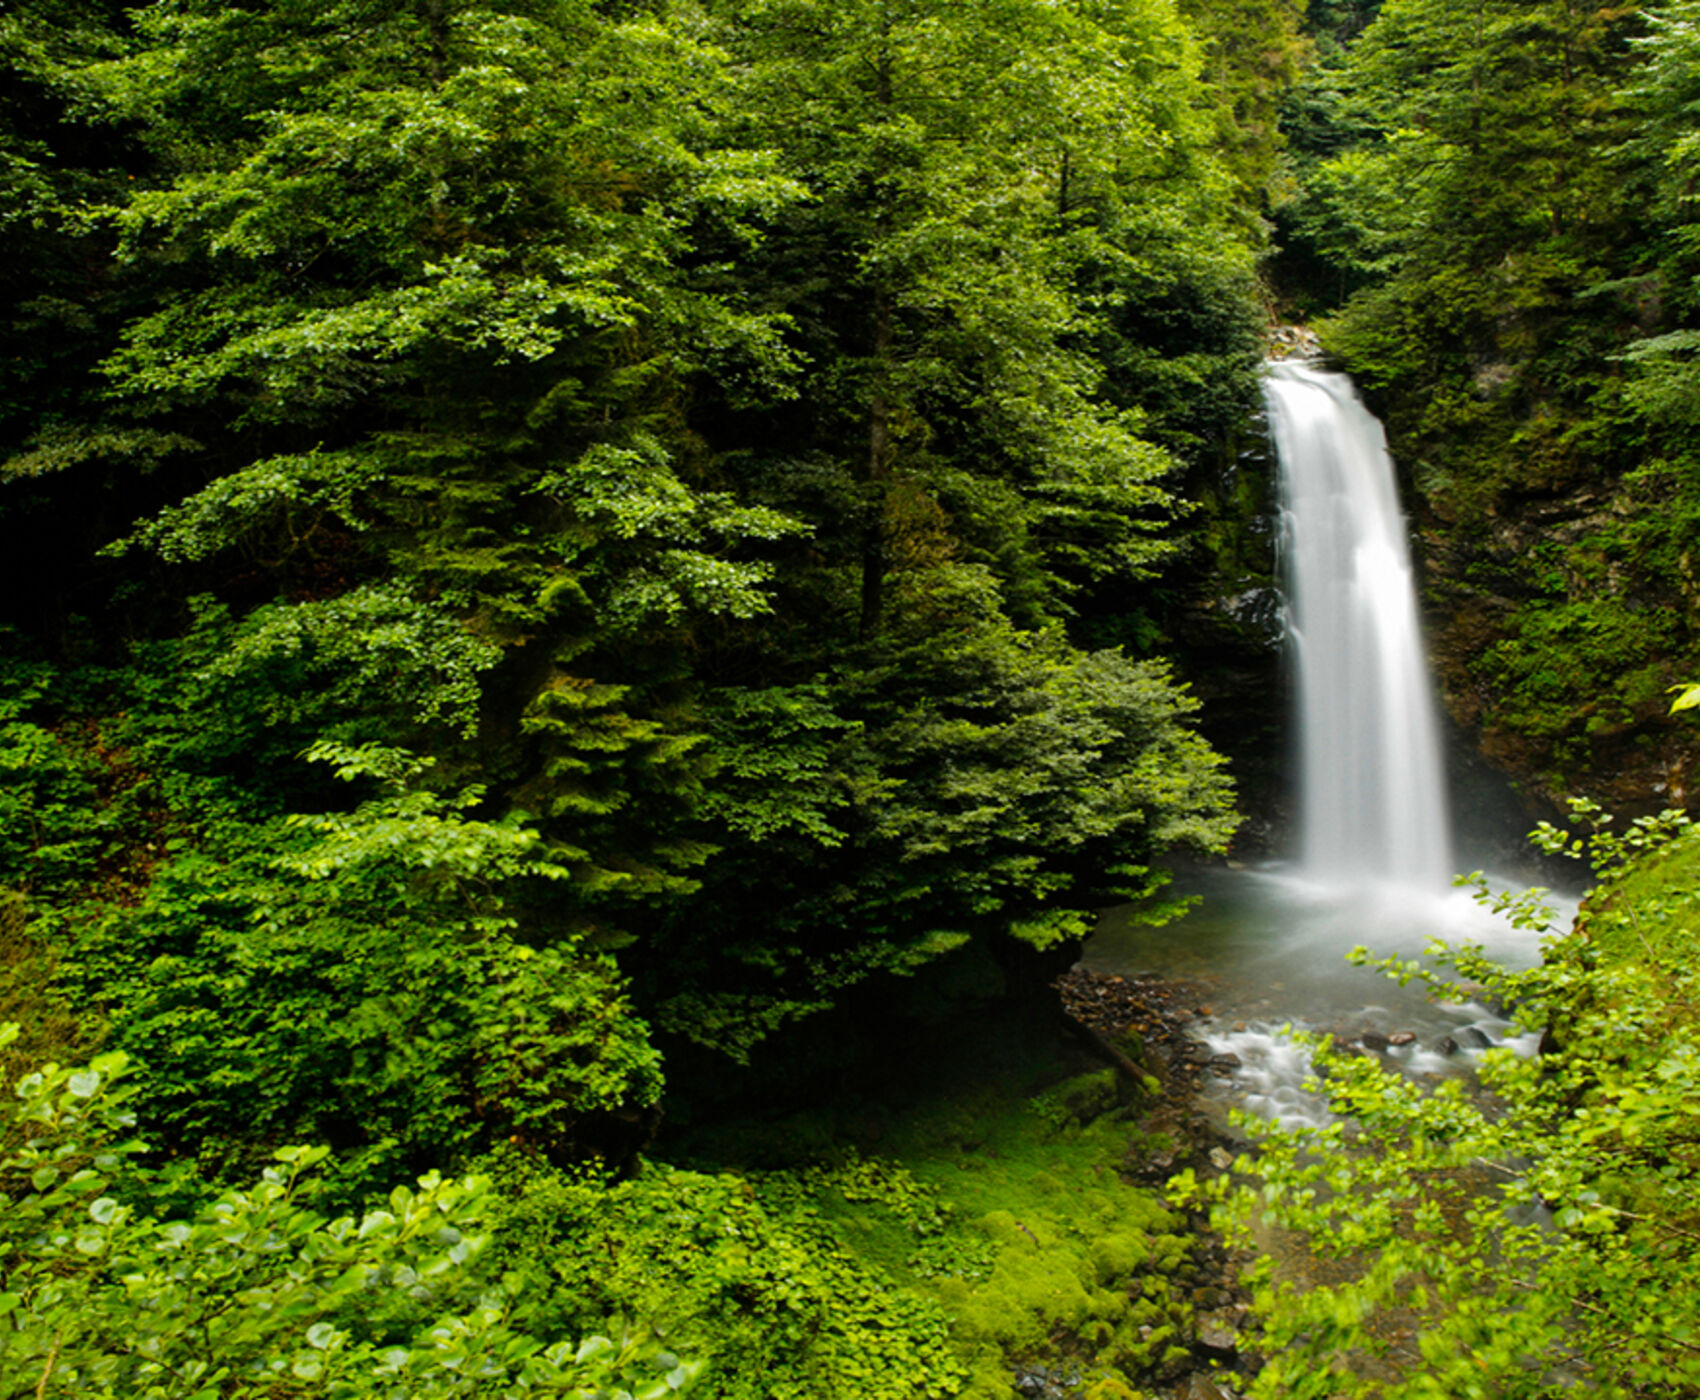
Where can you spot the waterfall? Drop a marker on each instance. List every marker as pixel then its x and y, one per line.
pixel 1372 799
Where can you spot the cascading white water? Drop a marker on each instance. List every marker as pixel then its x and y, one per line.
pixel 1270 943
pixel 1372 798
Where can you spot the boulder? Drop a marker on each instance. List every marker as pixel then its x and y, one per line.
pixel 1219 1330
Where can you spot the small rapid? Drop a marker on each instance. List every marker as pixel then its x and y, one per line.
pixel 1266 950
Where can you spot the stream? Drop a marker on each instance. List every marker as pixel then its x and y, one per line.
pixel 1268 949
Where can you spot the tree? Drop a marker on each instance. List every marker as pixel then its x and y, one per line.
pixel 405 317
pixel 988 186
pixel 569 409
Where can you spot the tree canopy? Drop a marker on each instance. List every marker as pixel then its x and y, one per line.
pixel 539 534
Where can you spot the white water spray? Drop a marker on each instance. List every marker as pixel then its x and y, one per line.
pixel 1372 799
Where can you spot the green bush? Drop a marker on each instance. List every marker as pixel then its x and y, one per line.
pixel 254 1297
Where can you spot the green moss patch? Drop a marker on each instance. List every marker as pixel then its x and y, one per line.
pixel 922 1248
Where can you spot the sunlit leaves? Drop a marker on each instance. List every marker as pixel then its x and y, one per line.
pixel 256 1295
pixel 1543 1231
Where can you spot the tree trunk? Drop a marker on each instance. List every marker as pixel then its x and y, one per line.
pixel 878 473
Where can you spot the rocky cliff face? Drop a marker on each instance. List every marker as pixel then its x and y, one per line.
pixel 1560 605
pixel 1554 644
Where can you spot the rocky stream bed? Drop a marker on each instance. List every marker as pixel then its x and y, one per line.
pixel 1146 1026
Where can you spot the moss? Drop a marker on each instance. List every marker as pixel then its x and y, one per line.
pixel 989 1379
pixel 1083 1099
pixel 1071 1237
pixel 1121 1253
pixel 1003 1210
pixel 1663 891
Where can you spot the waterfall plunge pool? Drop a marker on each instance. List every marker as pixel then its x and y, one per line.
pixel 1374 830
pixel 1267 948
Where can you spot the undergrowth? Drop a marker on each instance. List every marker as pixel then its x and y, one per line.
pixel 987 1231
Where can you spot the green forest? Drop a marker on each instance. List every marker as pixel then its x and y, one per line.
pixel 596 594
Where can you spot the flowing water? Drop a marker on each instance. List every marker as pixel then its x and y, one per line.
pixel 1269 946
pixel 1266 949
pixel 1372 800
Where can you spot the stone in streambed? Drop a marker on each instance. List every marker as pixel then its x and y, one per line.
pixel 1218 1330
pixel 1046 1383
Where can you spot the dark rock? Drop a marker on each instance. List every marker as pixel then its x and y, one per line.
pixel 1219 1330
pixel 1141 1018
pixel 1473 1038
pixel 1174 1365
pixel 1446 1045
pixel 1374 1040
pixel 1201 1387
pixel 1046 1383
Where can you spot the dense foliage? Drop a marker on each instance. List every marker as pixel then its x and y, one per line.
pixel 985 1227
pixel 543 537
pixel 1535 1241
pixel 662 461
pixel 257 1295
